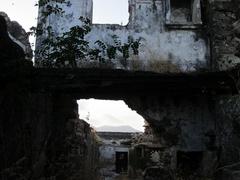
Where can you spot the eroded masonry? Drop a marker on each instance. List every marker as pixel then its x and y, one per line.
pixel 170 35
pixel 184 81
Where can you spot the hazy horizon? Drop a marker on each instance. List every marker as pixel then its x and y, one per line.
pixel 123 128
pixel 107 112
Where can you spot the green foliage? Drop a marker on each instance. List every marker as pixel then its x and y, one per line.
pixel 66 49
pixel 52 9
pixel 111 52
pixel 118 49
pixel 47 7
pixel 52 6
pixel 42 3
pixel 59 51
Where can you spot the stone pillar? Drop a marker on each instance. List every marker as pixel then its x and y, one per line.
pixel 223 28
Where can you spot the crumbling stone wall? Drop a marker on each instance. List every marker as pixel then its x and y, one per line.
pixel 223 26
pixel 177 119
pixel 41 136
pixel 207 125
pixel 73 147
pixel 25 123
pixel 24 133
pixel 18 35
pixel 182 124
pixel 228 131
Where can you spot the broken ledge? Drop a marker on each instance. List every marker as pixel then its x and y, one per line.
pixel 187 26
pixel 111 83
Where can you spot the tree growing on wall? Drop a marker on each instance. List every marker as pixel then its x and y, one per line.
pixel 67 49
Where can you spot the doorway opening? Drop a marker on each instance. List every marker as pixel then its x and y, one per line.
pixel 121 162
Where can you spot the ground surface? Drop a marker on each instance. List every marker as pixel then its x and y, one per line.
pixel 125 177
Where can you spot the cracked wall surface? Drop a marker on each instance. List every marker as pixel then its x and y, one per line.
pixel 184 48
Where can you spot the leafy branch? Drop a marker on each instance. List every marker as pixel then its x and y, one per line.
pixel 67 49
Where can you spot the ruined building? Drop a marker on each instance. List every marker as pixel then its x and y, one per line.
pixel 171 37
pixel 184 81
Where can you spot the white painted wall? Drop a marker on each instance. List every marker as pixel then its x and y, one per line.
pixel 161 48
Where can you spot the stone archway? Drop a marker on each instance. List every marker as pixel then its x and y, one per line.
pixel 39 115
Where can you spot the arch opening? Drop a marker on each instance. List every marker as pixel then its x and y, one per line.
pixel 115 125
pixel 110 115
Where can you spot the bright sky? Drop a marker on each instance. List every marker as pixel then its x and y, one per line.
pixel 106 112
pixel 104 11
pixel 22 11
pixel 110 11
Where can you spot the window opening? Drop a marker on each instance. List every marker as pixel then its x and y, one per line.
pixel 121 162
pixel 181 11
pixel 110 12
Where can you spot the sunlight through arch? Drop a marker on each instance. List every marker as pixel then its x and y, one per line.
pixel 110 115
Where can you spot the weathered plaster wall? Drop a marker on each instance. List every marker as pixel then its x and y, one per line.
pixel 177 50
pixel 162 49
pixel 70 18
